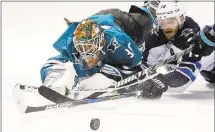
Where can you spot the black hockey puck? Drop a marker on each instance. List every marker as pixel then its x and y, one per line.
pixel 95 124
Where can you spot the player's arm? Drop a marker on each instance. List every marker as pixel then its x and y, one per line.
pixel 119 43
pixel 175 80
pixel 185 74
pixel 205 48
pixel 187 70
pixel 192 24
pixel 133 53
pixel 64 46
pixel 128 52
pixel 151 48
pixel 59 72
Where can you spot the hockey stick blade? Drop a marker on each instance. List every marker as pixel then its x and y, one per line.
pixel 71 103
pixel 52 95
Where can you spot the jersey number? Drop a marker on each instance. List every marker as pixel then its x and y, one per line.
pixel 129 51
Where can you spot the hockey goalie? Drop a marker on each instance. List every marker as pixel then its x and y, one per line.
pixel 97 52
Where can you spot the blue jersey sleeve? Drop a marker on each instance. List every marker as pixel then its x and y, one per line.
pixel 121 49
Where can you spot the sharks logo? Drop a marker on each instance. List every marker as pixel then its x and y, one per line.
pixel 113 45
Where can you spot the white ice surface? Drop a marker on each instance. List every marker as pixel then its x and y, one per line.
pixel 30 28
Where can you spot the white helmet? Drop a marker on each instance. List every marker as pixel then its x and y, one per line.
pixel 171 9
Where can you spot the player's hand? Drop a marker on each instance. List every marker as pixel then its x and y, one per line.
pixel 185 35
pixel 204 38
pixel 153 88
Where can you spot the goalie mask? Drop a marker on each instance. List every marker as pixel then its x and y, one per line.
pixel 89 39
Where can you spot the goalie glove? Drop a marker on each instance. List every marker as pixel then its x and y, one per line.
pixel 153 88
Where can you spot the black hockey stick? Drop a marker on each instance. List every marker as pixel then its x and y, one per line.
pixel 69 103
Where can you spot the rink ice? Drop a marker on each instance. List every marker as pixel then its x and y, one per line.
pixel 192 111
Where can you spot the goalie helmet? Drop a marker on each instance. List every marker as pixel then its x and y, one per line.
pixel 89 39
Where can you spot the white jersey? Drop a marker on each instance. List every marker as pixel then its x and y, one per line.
pixel 181 73
pixel 208 62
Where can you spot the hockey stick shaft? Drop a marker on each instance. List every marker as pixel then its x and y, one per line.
pixel 71 104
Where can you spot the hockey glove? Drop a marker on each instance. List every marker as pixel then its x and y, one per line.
pixel 203 40
pixel 209 76
pixel 207 36
pixel 182 39
pixel 153 88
